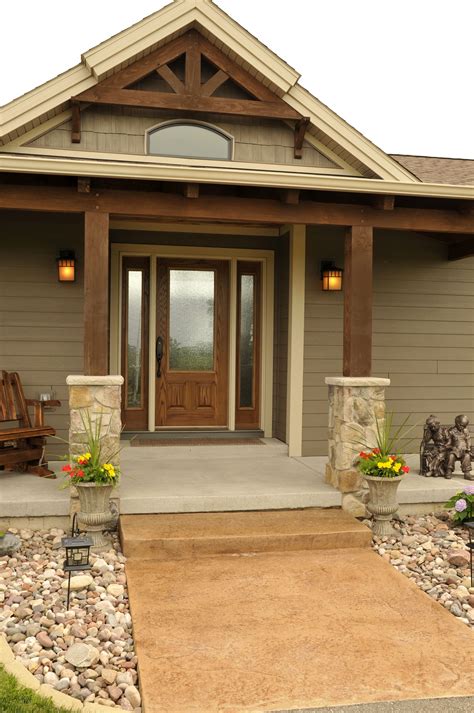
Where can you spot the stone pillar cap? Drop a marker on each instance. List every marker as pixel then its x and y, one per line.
pixel 112 380
pixel 356 381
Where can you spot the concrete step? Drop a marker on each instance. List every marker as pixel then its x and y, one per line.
pixel 188 535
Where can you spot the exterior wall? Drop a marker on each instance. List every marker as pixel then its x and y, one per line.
pixel 115 130
pixel 423 331
pixel 41 320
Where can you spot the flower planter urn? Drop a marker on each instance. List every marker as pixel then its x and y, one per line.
pixel 95 513
pixel 383 502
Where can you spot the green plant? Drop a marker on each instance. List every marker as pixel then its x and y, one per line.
pixel 93 465
pixel 463 504
pixel 17 699
pixel 383 461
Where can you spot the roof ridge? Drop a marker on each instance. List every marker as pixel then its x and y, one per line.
pixel 440 158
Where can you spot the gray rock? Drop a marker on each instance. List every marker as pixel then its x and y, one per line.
pixel 82 655
pixel 9 544
pixel 132 695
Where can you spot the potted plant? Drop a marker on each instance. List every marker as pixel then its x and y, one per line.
pixel 463 504
pixel 94 475
pixel 383 469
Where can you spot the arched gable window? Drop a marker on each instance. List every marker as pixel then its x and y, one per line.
pixel 189 139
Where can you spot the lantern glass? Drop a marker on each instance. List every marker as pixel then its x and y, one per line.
pixel 331 277
pixel 66 266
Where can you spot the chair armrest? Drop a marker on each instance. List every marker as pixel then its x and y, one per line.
pixel 39 407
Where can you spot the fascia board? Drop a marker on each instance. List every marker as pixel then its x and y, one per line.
pixel 346 136
pixel 47 97
pixel 229 175
pixel 122 48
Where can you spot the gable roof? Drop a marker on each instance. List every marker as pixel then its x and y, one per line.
pixel 430 169
pixel 326 131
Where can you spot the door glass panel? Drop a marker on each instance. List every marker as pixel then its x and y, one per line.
pixel 134 338
pixel 191 329
pixel 246 342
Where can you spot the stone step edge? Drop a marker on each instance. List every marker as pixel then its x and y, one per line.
pixel 26 679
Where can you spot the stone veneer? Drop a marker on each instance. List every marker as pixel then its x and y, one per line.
pixel 97 397
pixel 354 405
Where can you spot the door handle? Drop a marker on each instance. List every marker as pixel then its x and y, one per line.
pixel 159 355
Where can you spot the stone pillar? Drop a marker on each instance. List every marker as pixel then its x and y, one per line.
pixel 354 405
pixel 97 398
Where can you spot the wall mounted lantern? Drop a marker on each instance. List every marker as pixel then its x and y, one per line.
pixel 331 276
pixel 66 266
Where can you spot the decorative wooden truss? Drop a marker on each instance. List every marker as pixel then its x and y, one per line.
pixel 189 92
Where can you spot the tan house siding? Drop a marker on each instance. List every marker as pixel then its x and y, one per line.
pixel 423 330
pixel 41 320
pixel 114 130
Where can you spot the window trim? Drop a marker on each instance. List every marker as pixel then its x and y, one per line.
pixel 190 122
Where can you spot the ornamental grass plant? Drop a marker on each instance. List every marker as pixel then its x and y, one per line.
pixel 94 465
pixel 384 461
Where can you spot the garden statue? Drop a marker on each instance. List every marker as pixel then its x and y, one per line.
pixel 441 447
pixel 459 447
pixel 433 448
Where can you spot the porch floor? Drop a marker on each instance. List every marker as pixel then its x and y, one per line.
pixel 210 478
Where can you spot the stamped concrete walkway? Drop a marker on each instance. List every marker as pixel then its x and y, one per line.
pixel 290 630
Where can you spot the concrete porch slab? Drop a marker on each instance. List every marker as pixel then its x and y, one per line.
pixel 211 478
pixel 291 630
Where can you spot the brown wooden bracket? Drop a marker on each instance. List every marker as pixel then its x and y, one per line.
pixel 300 132
pixel 290 196
pixel 384 202
pixel 76 122
pixel 191 190
pixel 171 79
pixel 83 185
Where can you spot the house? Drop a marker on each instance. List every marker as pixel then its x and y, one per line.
pixel 199 193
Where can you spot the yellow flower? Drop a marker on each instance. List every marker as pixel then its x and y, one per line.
pixel 396 467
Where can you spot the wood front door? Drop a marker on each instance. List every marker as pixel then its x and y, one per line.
pixel 192 343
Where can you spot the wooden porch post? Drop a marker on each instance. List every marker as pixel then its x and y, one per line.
pixel 358 301
pixel 96 294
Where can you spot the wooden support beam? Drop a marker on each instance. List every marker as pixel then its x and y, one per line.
pixel 189 102
pixel 300 131
pixel 458 251
pixel 213 84
pixel 384 202
pixel 96 294
pixel 357 350
pixel 272 211
pixel 83 185
pixel 295 371
pixel 191 190
pixel 193 66
pixel 171 79
pixel 290 196
pixel 76 123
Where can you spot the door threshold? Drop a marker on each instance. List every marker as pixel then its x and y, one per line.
pixel 182 435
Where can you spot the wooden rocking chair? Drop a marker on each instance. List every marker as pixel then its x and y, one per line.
pixel 22 446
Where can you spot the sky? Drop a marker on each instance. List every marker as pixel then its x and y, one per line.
pixel 399 71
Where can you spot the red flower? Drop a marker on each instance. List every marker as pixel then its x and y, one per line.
pixel 79 473
pixel 405 469
pixel 376 451
pixel 66 468
pixel 363 455
pixel 393 457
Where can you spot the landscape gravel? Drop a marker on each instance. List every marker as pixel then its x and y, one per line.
pixel 432 552
pixel 86 652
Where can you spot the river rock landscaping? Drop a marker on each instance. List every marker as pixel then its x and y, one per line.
pixel 86 652
pixel 432 552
